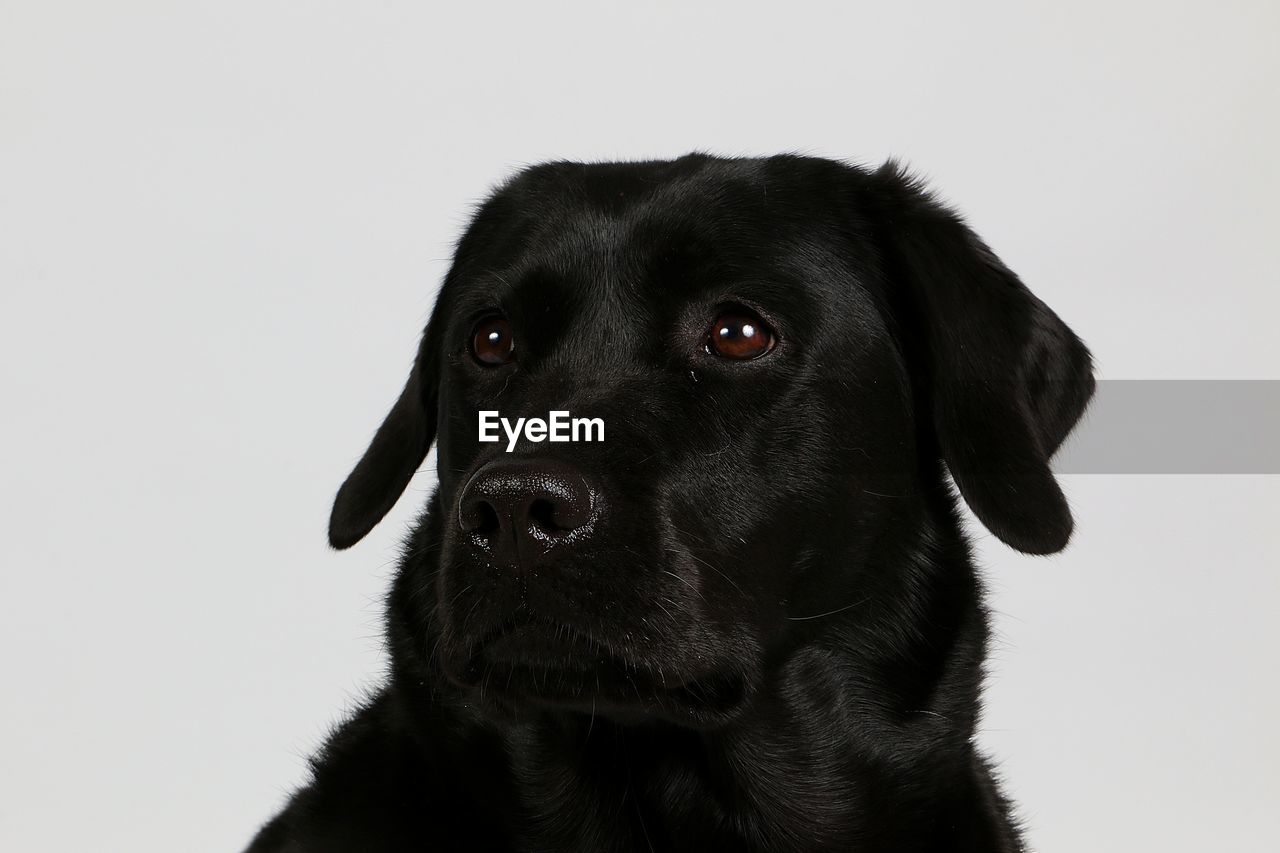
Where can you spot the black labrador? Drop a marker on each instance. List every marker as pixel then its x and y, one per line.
pixel 747 619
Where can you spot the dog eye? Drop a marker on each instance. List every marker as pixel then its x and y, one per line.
pixel 492 343
pixel 739 335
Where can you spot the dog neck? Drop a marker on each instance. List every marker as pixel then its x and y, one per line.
pixel 820 761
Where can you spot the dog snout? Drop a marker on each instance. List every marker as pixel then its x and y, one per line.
pixel 518 511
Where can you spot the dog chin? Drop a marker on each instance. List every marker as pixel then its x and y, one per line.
pixel 526 667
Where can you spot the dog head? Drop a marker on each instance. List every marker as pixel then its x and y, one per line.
pixel 780 352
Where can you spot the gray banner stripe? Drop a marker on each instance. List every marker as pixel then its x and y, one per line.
pixel 1177 427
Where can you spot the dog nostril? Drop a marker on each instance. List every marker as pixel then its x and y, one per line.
pixel 542 514
pixel 485 521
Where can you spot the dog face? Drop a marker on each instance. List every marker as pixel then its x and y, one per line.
pixel 780 352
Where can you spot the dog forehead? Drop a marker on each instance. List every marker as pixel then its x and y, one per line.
pixel 630 229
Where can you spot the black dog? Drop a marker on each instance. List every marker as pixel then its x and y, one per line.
pixel 747 619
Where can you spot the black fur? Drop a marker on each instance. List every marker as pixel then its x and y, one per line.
pixel 773 638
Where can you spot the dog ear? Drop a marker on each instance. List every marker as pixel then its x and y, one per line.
pixel 1005 380
pixel 395 453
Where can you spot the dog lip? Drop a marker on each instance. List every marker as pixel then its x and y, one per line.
pixel 529 653
pixel 534 640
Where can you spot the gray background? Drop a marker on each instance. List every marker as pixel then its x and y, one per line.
pixel 222 225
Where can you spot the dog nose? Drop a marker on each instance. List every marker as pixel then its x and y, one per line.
pixel 520 510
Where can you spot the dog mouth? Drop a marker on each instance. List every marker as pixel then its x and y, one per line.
pixel 531 662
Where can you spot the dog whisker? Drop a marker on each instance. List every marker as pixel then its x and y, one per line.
pixel 829 612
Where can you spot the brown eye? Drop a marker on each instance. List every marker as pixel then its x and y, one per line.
pixel 492 343
pixel 739 335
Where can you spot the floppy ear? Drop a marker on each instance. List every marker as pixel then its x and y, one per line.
pixel 395 453
pixel 1005 380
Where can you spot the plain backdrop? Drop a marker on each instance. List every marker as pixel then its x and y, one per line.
pixel 222 225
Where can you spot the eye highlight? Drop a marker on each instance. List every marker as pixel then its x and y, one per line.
pixel 492 342
pixel 739 335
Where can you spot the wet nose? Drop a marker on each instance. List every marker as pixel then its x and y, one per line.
pixel 519 510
